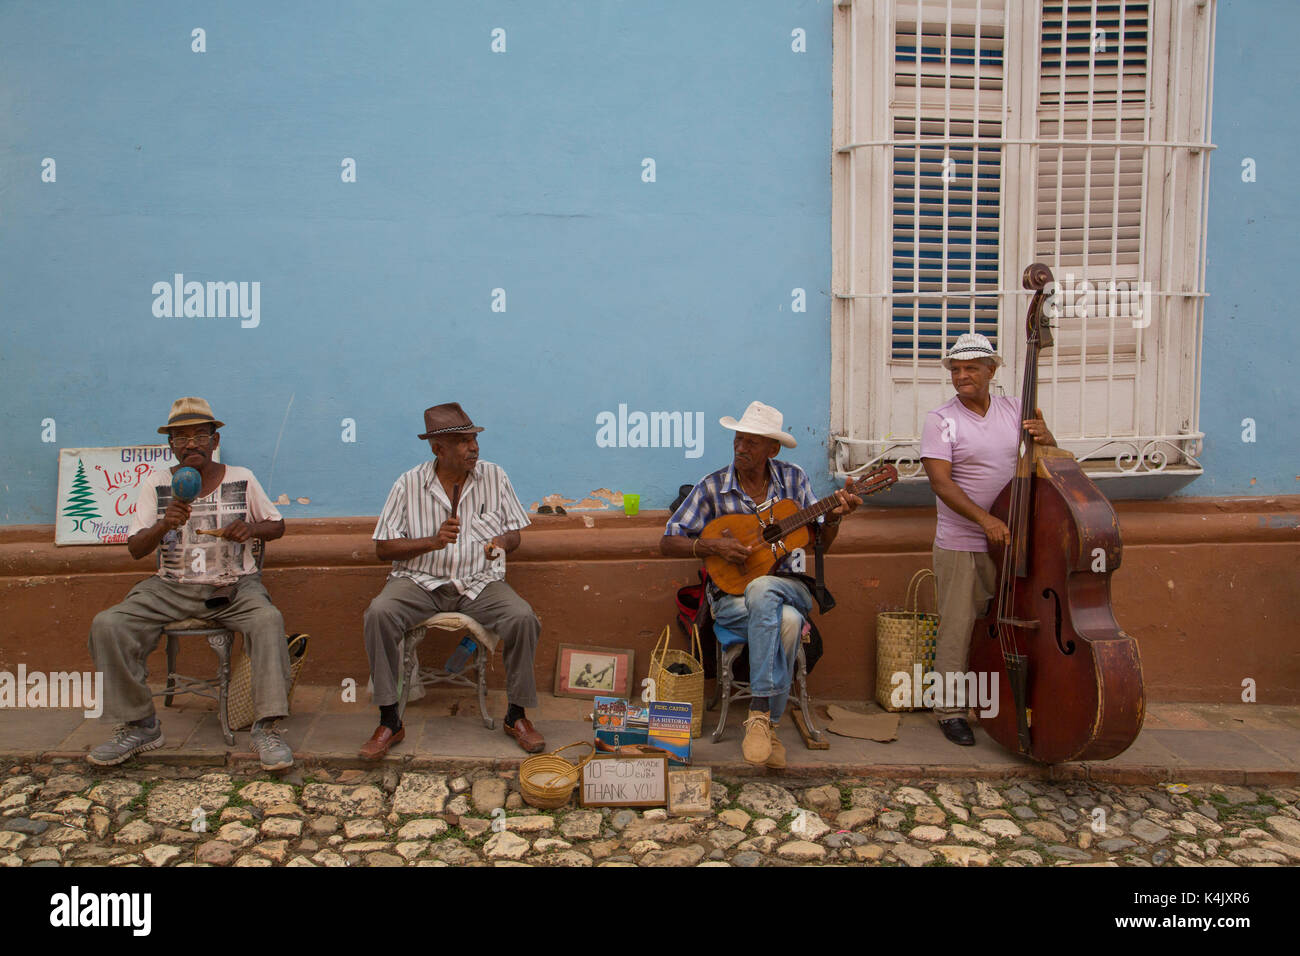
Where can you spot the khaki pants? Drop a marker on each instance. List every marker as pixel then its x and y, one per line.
pixel 122 638
pixel 965 580
pixel 403 603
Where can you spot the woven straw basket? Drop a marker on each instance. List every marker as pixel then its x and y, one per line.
pixel 547 780
pixel 684 688
pixel 239 703
pixel 903 640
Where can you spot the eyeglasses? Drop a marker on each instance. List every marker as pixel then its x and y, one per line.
pixel 180 441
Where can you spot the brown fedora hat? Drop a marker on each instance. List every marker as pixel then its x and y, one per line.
pixel 189 411
pixel 447 419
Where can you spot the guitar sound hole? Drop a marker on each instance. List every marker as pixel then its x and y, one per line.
pixel 771 534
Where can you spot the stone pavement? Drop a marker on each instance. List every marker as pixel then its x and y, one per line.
pixel 1242 744
pixel 68 813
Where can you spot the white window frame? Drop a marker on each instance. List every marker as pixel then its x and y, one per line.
pixel 878 402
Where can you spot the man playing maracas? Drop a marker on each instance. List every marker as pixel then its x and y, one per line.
pixel 205 570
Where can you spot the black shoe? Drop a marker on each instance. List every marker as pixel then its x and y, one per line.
pixel 958 731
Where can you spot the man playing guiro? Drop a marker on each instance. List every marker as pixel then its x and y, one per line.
pixel 969 447
pixel 450 562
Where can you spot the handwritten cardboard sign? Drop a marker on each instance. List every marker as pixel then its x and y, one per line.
pixel 620 780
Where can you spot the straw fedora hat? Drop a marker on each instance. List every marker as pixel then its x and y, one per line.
pixel 760 419
pixel 189 411
pixel 971 345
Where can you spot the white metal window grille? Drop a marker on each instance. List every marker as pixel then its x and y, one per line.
pixel 975 136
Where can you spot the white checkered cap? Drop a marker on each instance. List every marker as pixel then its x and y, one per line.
pixel 971 345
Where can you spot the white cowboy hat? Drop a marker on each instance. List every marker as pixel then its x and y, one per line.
pixel 971 345
pixel 760 419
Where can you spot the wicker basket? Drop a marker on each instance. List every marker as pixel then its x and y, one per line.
pixel 683 688
pixel 904 639
pixel 239 702
pixel 547 780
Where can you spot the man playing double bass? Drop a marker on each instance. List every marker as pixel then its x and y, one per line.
pixel 969 448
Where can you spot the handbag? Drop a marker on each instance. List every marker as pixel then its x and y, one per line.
pixel 904 639
pixel 679 676
pixel 239 699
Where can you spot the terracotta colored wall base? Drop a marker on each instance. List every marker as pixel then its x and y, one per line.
pixel 1208 587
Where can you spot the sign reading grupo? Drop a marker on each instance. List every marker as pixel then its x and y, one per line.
pixel 98 488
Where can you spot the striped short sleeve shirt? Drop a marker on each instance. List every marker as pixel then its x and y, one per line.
pixel 418 505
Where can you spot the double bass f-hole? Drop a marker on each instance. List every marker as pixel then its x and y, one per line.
pixel 1068 646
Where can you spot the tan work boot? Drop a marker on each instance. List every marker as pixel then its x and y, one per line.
pixel 776 761
pixel 757 745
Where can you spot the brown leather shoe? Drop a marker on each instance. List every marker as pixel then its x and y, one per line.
pixel 380 741
pixel 525 735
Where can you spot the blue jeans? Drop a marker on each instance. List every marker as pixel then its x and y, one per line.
pixel 757 614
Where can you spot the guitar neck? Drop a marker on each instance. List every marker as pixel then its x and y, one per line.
pixel 806 516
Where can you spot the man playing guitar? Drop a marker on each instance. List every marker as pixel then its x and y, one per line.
pixel 753 478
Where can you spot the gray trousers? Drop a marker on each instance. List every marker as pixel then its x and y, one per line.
pixel 403 603
pixel 965 581
pixel 122 637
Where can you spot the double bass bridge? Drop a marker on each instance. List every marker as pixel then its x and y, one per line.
pixel 1019 622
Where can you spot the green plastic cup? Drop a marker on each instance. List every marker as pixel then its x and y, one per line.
pixel 631 504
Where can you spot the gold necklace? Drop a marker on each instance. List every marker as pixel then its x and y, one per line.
pixel 757 499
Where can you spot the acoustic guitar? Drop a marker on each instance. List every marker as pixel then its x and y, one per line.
pixel 776 530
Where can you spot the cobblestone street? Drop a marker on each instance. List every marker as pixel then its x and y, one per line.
pixel 152 815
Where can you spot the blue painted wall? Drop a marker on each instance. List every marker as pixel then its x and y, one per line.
pixel 476 171
pixel 1251 365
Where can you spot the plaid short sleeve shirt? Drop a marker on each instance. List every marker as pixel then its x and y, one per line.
pixel 720 494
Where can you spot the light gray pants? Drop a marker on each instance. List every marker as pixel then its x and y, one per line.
pixel 965 580
pixel 122 637
pixel 403 603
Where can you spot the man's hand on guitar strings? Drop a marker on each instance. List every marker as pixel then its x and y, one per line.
pixel 730 549
pixel 848 501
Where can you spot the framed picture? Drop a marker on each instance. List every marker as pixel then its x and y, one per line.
pixel 690 792
pixel 592 672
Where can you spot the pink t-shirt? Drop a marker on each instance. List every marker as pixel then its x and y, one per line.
pixel 983 452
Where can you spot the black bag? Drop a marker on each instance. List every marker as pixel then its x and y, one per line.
pixel 682 492
pixel 693 611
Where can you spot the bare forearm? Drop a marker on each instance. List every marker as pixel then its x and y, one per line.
pixel 403 549
pixel 266 530
pixel 956 499
pixel 682 546
pixel 507 542
pixel 677 546
pixel 144 543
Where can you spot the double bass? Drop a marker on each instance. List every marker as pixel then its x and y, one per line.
pixel 1069 679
